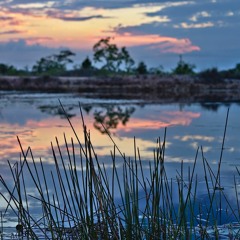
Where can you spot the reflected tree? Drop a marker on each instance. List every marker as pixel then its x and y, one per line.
pixel 57 111
pixel 87 108
pixel 211 106
pixel 111 117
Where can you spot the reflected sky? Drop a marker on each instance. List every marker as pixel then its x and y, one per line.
pixel 37 119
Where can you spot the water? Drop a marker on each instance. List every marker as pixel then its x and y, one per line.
pixel 38 118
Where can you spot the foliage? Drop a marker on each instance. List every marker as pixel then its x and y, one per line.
pixel 112 58
pixel 183 68
pixel 157 70
pixel 127 61
pixel 111 117
pixel 233 73
pixel 142 68
pixel 86 64
pixel 211 75
pixel 7 69
pixel 54 64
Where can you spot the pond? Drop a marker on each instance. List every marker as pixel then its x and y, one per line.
pixel 37 119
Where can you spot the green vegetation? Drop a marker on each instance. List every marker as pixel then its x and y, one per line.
pixel 79 200
pixel 183 68
pixel 141 68
pixel 111 60
pixel 54 64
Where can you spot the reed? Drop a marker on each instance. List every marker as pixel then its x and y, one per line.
pixel 78 197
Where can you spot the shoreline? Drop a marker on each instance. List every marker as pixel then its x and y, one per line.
pixel 151 88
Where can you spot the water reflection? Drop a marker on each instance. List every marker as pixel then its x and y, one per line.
pixel 57 111
pixel 111 116
pixel 38 119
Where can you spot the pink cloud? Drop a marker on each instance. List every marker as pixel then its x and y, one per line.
pixel 37 40
pixel 178 46
pixel 166 119
pixel 162 43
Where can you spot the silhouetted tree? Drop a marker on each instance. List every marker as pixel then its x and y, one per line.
pixel 111 56
pixel 183 67
pixel 141 68
pixel 86 64
pixel 111 117
pixel 127 60
pixel 54 64
pixel 7 69
pixel 157 70
pixel 211 75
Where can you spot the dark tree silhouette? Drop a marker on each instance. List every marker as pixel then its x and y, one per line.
pixel 111 117
pixel 54 64
pixel 141 68
pixel 86 64
pixel 183 67
pixel 112 58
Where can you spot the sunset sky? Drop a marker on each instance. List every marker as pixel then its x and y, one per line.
pixel 205 32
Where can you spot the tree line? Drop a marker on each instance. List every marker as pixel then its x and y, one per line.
pixel 111 60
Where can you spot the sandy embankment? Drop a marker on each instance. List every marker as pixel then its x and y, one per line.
pixel 155 88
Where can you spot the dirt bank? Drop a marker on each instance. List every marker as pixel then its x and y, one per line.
pixel 155 88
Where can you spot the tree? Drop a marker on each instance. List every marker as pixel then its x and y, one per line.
pixel 86 64
pixel 54 64
pixel 3 69
pixel 141 68
pixel 64 57
pixel 183 67
pixel 111 56
pixel 157 70
pixel 211 75
pixel 127 60
pixel 7 70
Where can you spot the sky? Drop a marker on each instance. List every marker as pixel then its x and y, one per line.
pixel 205 32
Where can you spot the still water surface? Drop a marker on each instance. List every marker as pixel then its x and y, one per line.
pixel 38 118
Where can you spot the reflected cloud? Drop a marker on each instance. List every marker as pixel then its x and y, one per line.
pixel 195 146
pixel 195 137
pixel 181 117
pixel 166 119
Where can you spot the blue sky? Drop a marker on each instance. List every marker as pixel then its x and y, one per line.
pixel 206 33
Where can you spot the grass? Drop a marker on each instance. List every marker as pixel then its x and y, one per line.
pixel 78 198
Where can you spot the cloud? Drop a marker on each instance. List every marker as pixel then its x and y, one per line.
pixel 194 25
pixel 36 40
pixel 72 16
pixel 230 14
pixel 178 46
pixel 198 15
pixel 11 32
pixel 164 44
pixel 81 18
pixel 4 18
pixel 25 52
pixel 150 29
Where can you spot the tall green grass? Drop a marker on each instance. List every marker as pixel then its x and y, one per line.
pixel 78 198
